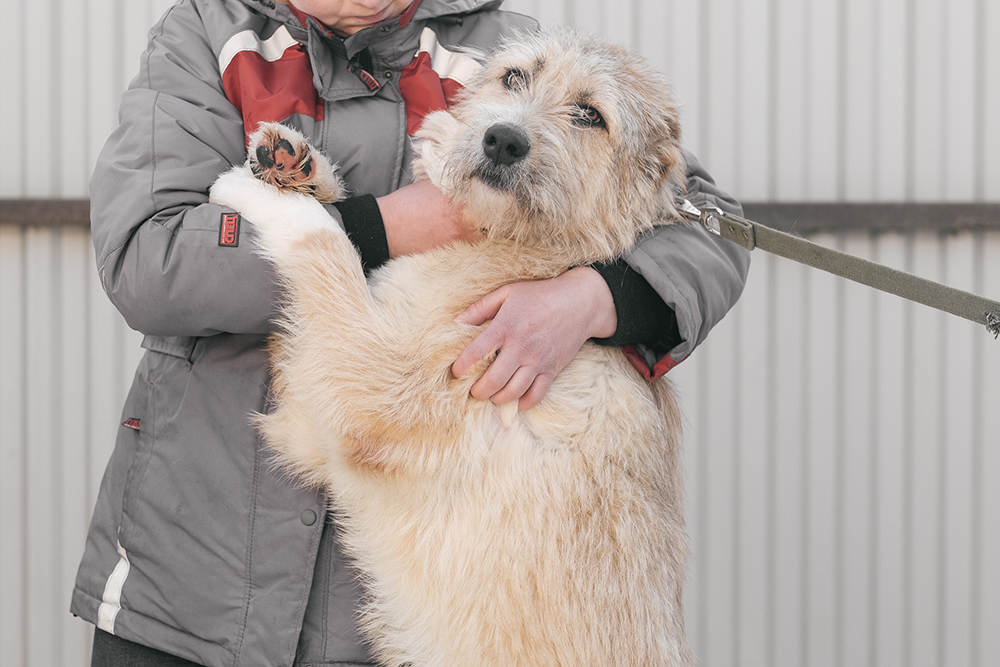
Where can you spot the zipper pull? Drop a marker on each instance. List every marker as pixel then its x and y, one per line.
pixel 357 67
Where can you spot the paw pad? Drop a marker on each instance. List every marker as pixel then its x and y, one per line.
pixel 281 156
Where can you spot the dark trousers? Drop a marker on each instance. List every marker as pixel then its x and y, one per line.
pixel 111 651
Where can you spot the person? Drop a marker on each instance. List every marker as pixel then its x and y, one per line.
pixel 199 550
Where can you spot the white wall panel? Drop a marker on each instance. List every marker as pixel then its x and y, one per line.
pixel 789 101
pixel 858 86
pixel 891 105
pixel 71 167
pixel 751 383
pixel 927 100
pixel 41 443
pixel 104 79
pixel 988 83
pixel 962 102
pixel 862 450
pixel 890 438
pixel 985 600
pixel 754 128
pixel 66 358
pixel 855 484
pixel 787 342
pixel 39 94
pixel 12 102
pixel 12 449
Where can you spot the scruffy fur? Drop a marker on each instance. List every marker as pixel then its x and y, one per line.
pixel 488 536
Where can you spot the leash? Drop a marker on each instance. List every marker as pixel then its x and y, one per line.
pixel 752 235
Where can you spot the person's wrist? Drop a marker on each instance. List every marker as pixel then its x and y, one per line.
pixel 364 226
pixel 603 317
pixel 419 217
pixel 389 210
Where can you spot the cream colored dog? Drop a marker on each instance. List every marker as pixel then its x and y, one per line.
pixel 487 536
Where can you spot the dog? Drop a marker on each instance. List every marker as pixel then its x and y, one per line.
pixel 487 535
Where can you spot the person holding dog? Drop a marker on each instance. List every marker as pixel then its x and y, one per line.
pixel 200 551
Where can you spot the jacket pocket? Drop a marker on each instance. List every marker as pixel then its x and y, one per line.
pixel 181 347
pixel 164 372
pixel 136 436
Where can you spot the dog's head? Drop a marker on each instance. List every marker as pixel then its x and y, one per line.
pixel 562 142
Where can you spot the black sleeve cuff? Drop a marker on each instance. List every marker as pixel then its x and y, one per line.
pixel 363 224
pixel 643 317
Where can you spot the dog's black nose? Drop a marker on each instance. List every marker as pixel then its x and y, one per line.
pixel 505 144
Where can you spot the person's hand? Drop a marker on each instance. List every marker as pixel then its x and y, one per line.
pixel 419 217
pixel 537 328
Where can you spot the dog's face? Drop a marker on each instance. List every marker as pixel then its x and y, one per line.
pixel 562 142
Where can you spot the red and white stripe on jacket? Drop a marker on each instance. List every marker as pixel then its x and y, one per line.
pixel 271 79
pixel 433 81
pixel 268 79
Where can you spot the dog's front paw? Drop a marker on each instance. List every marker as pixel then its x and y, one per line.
pixel 282 157
pixel 280 218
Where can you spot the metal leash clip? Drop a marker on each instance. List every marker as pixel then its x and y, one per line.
pixel 716 221
pixel 708 217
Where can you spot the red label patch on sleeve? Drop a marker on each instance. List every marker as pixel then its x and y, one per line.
pixel 132 423
pixel 229 230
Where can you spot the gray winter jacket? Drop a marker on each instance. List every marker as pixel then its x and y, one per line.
pixel 198 546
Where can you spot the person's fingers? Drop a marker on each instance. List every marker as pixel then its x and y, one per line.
pixel 483 345
pixel 484 309
pixel 489 340
pixel 536 328
pixel 536 392
pixel 496 377
pixel 516 387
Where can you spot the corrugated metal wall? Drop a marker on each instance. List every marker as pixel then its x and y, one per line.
pixel 824 99
pixel 843 460
pixel 66 359
pixel 844 446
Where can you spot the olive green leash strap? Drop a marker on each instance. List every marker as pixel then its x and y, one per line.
pixel 752 235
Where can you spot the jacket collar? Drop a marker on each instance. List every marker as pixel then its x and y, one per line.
pixel 420 10
pixel 390 44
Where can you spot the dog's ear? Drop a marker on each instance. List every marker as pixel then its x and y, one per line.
pixel 435 138
pixel 667 165
pixel 671 157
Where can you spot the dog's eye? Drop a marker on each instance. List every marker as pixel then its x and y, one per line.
pixel 587 116
pixel 515 79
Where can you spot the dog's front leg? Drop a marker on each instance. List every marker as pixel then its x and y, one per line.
pixel 337 340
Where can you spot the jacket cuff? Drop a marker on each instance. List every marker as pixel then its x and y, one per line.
pixel 643 317
pixel 363 224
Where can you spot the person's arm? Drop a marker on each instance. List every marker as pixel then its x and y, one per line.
pixel 156 238
pixel 663 297
pixel 697 274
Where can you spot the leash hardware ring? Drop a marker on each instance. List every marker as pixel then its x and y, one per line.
pixel 716 221
pixel 710 217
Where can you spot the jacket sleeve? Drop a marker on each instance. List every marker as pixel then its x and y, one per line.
pixel 697 274
pixel 156 238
